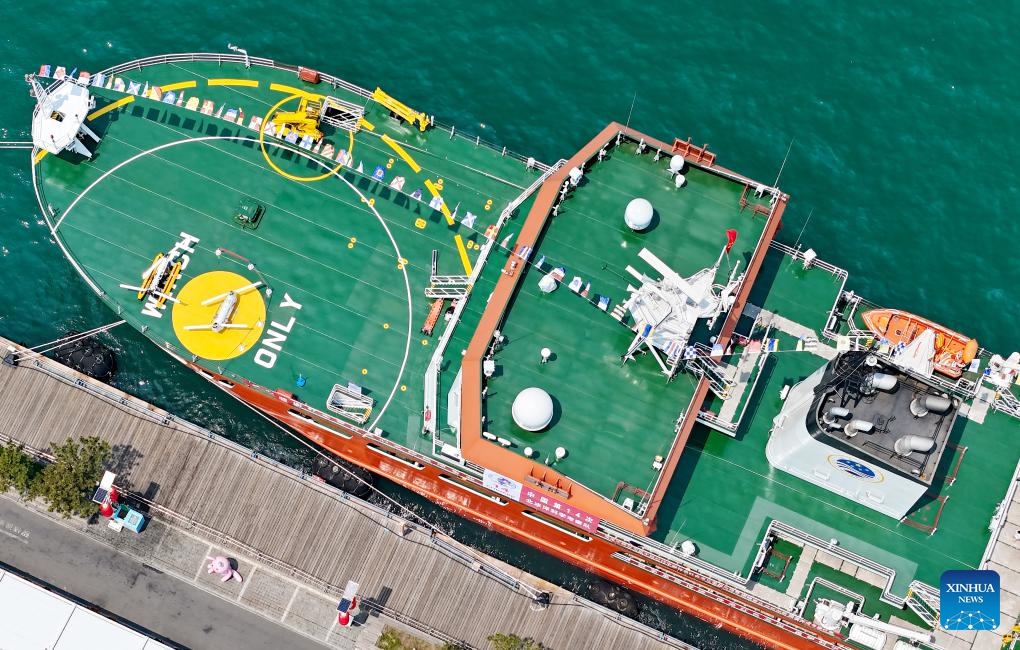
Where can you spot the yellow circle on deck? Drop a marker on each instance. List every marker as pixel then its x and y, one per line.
pixel 227 343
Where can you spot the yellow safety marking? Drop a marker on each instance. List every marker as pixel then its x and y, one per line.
pixel 463 253
pixel 123 101
pixel 179 85
pixel 435 192
pixel 415 167
pixel 228 343
pixel 364 371
pixel 39 156
pixel 276 168
pixel 248 83
pixel 420 223
pixel 365 124
pixel 424 341
pixel 385 326
pixel 350 245
pixel 295 91
pixel 403 388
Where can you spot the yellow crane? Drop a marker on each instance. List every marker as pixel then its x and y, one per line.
pixel 305 120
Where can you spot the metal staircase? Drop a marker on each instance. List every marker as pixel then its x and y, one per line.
pixel 1006 402
pixel 924 601
pixel 702 364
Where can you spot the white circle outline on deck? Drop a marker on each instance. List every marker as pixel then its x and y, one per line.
pixel 364 200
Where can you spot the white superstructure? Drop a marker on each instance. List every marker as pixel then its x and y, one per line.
pixel 59 118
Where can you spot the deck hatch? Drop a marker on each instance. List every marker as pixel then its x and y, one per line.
pixel 350 402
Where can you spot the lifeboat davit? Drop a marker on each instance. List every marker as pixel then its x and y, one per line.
pixel 953 351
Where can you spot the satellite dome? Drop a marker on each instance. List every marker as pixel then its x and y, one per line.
pixel 638 214
pixel 532 409
pixel 676 163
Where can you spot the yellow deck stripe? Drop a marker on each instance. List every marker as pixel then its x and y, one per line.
pixel 415 167
pixel 109 107
pixel 249 83
pixel 463 254
pixel 178 85
pixel 446 213
pixel 435 192
pixel 365 124
pixel 39 156
pixel 290 90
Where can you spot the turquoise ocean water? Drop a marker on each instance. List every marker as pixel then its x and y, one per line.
pixel 901 118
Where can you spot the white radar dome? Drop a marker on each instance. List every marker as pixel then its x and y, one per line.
pixel 638 214
pixel 676 163
pixel 532 409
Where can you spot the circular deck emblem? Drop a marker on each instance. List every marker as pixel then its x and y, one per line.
pixel 207 324
pixel 856 468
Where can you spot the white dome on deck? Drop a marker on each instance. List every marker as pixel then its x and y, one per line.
pixel 638 214
pixel 532 409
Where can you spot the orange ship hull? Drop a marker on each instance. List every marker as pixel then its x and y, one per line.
pixel 953 351
pixel 627 564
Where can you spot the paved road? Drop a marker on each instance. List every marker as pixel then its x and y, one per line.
pixel 147 597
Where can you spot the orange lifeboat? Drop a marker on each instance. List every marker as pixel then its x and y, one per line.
pixel 953 351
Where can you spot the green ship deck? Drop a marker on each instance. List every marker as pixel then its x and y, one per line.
pixel 349 259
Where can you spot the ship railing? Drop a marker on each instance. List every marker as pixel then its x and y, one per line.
pixel 714 421
pixel 664 554
pixel 781 529
pixel 998 520
pixel 49 213
pixel 798 254
pixel 742 602
pixel 479 142
pixel 332 80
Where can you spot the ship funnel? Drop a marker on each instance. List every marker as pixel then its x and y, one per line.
pixel 857 426
pixel 921 405
pixel 907 444
pixel 834 414
pixel 880 381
